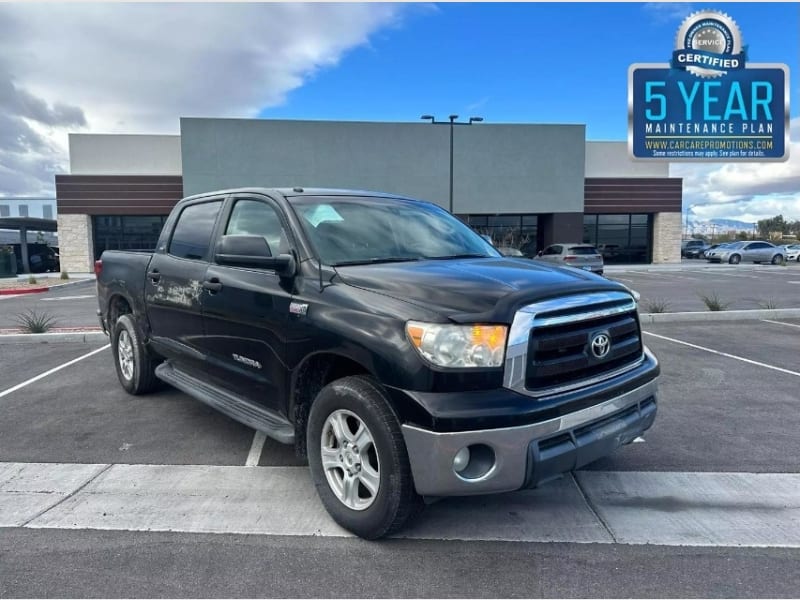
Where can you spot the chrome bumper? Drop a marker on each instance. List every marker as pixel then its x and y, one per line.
pixel 529 454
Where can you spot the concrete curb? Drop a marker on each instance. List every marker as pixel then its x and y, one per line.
pixel 20 291
pixel 76 282
pixel 723 315
pixel 678 267
pixel 53 338
pixel 39 290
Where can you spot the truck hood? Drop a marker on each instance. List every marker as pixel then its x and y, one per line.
pixel 463 290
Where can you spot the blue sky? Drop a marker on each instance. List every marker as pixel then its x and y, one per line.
pixel 550 63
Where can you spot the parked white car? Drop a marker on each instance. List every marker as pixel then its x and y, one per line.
pixel 581 256
pixel 793 252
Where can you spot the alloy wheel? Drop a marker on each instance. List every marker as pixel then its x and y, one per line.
pixel 125 354
pixel 350 460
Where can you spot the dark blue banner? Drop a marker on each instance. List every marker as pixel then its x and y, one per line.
pixel 676 115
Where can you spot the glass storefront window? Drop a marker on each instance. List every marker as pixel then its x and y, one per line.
pixel 129 232
pixel 509 232
pixel 623 238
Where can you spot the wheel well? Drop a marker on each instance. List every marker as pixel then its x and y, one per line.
pixel 117 306
pixel 313 375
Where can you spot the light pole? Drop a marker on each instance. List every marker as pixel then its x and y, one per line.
pixel 452 120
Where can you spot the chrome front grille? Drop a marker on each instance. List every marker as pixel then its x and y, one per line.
pixel 549 342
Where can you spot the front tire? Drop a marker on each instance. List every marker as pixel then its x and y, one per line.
pixel 735 259
pixel 135 365
pixel 777 259
pixel 358 458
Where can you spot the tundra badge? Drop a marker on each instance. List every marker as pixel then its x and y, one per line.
pixel 298 308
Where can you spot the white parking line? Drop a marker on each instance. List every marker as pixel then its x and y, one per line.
pixel 19 386
pixel 67 298
pixel 725 354
pixel 781 323
pixel 254 456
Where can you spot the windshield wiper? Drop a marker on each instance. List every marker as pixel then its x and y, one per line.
pixel 375 261
pixel 454 256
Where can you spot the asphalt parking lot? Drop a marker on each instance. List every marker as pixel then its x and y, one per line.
pixel 124 492
pixel 72 305
pixel 741 287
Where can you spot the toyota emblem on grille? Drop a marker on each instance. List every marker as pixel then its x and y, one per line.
pixel 600 344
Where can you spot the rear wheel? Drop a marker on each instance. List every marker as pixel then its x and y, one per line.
pixel 358 458
pixel 735 259
pixel 777 259
pixel 134 363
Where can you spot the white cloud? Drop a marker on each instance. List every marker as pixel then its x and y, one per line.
pixel 137 68
pixel 744 191
pixel 662 12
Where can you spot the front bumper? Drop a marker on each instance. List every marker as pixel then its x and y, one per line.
pixel 527 455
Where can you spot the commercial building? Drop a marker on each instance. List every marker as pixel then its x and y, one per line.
pixel 526 185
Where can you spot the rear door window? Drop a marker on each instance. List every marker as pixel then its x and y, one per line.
pixel 192 235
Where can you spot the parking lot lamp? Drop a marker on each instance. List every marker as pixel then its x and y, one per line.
pixel 453 122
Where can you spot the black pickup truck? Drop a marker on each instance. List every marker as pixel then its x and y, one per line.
pixel 393 346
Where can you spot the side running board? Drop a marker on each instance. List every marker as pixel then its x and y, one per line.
pixel 271 423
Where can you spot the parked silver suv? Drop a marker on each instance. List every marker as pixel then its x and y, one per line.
pixel 756 252
pixel 581 256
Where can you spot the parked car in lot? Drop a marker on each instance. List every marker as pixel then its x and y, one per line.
pixel 756 252
pixel 402 355
pixel 609 251
pixel 692 248
pixel 710 248
pixel 696 251
pixel 41 258
pixel 793 252
pixel 581 256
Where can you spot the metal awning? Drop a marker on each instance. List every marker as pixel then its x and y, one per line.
pixel 23 225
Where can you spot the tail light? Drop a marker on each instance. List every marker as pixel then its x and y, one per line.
pixel 98 267
pixel 570 257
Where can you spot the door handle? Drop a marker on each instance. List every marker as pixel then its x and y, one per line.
pixel 154 275
pixel 212 285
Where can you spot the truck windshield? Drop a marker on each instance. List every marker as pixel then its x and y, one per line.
pixel 363 230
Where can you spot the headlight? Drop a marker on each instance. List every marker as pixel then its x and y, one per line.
pixel 459 345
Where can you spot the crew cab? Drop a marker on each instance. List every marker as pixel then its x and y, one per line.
pixel 400 353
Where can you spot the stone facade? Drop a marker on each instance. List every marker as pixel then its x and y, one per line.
pixel 75 243
pixel 667 237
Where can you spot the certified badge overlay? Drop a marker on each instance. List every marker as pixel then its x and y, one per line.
pixel 708 103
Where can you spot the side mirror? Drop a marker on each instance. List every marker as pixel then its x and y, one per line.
pixel 252 251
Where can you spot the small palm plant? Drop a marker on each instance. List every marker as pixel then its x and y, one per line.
pixel 34 322
pixel 713 302
pixel 656 305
